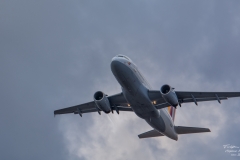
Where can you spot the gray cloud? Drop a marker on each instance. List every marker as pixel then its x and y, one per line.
pixel 57 54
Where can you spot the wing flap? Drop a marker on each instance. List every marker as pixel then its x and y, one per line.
pixel 86 111
pixel 184 94
pixel 186 97
pixel 187 100
pixel 152 133
pixel 114 100
pixel 73 109
pixel 189 130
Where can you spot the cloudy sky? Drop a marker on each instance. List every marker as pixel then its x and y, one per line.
pixel 55 54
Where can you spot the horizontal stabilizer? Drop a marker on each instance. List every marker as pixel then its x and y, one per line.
pixel 188 130
pixel 178 129
pixel 152 133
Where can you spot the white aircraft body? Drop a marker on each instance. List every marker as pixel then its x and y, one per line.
pixel 156 107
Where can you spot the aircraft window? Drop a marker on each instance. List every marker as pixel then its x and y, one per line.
pixel 124 57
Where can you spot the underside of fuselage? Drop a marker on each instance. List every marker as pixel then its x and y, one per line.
pixel 135 90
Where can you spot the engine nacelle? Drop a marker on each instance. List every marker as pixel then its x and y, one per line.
pixel 102 102
pixel 169 95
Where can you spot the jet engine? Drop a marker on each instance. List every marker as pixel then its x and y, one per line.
pixel 102 102
pixel 169 95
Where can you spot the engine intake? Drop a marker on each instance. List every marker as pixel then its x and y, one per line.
pixel 165 89
pixel 102 101
pixel 169 95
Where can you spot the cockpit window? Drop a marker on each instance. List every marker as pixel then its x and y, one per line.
pixel 123 57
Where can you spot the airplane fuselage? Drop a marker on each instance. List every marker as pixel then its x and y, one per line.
pixel 135 90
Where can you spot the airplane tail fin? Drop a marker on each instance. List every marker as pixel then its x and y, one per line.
pixel 172 112
pixel 178 129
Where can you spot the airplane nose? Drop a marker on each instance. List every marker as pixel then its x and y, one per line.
pixel 115 65
pixel 119 68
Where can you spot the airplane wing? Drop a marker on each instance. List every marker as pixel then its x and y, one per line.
pixel 186 97
pixel 118 100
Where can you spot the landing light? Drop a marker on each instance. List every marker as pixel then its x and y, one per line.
pixel 154 102
pixel 128 105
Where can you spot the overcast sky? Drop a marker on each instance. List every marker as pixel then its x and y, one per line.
pixel 55 54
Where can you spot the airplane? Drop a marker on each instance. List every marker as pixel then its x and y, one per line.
pixel 156 107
